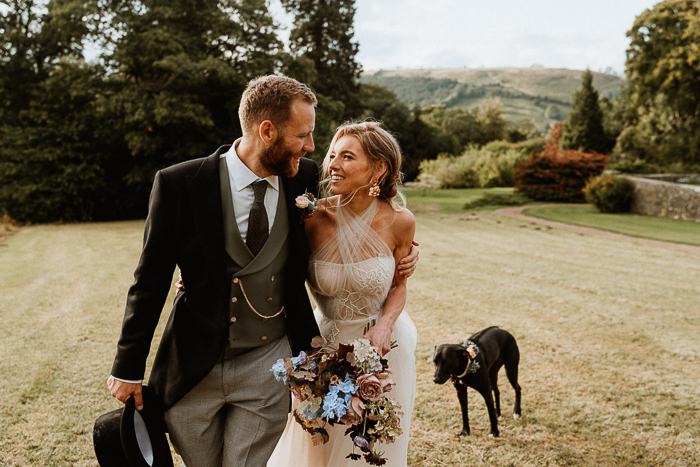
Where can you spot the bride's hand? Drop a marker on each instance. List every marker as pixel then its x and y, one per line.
pixel 380 337
pixel 179 285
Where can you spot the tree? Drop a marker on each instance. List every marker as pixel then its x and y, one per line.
pixel 34 35
pixel 83 141
pixel 583 131
pixel 492 124
pixel 662 122
pixel 555 174
pixel 462 123
pixel 324 33
pixel 49 149
pixel 53 166
pixel 418 138
pixel 183 65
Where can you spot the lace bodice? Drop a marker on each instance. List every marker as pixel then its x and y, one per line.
pixel 351 272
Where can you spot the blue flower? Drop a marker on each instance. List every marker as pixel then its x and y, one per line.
pixel 360 442
pixel 347 386
pixel 279 371
pixel 300 360
pixel 334 407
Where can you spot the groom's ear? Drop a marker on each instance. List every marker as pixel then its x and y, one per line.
pixel 267 132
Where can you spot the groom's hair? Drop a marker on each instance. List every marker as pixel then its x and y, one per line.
pixel 270 98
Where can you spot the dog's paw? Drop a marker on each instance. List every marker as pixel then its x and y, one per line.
pixel 516 416
pixel 463 433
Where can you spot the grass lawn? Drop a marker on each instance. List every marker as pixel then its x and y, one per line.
pixel 656 228
pixel 452 201
pixel 608 333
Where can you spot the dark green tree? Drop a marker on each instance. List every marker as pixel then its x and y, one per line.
pixel 183 65
pixel 34 35
pixel 50 166
pixel 583 131
pixel 662 121
pixel 54 166
pixel 323 32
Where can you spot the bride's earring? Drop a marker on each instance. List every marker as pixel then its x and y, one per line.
pixel 374 190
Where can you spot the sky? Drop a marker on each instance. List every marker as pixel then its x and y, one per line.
pixel 574 34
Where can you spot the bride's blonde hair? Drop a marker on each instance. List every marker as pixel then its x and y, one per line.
pixel 380 146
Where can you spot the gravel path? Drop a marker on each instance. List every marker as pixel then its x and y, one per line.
pixel 516 213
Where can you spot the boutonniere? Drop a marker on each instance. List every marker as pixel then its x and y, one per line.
pixel 308 205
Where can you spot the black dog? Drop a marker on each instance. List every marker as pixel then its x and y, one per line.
pixel 475 363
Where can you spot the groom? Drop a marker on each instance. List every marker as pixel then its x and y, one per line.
pixel 230 223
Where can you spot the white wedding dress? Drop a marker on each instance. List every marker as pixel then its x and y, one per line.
pixel 350 275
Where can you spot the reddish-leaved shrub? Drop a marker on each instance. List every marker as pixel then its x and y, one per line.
pixel 556 175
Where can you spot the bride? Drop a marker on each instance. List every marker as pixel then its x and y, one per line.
pixel 357 238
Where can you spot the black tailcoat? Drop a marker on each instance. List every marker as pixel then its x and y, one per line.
pixel 185 228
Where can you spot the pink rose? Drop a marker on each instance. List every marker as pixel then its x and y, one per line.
pixel 302 202
pixel 369 388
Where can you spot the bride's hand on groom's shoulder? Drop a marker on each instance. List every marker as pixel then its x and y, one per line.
pixel 380 337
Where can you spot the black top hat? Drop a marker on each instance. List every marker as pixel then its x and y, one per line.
pixel 128 437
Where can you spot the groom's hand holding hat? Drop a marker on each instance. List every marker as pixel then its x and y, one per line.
pixel 122 391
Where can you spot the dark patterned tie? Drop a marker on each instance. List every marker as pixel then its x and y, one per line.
pixel 258 225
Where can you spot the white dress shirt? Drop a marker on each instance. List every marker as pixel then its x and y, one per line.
pixel 241 178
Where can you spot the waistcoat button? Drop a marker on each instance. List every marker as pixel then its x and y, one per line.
pixel 233 319
pixel 269 299
pixel 235 280
pixel 272 278
pixel 234 299
pixel 263 338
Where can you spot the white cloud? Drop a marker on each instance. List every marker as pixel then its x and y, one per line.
pixel 457 33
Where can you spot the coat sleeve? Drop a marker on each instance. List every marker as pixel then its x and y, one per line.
pixel 152 281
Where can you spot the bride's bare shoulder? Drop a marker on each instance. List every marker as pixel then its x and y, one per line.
pixel 399 220
pixel 322 213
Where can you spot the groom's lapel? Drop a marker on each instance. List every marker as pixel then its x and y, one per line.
pixel 205 200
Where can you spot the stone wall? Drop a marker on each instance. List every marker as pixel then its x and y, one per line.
pixel 653 197
pixel 674 178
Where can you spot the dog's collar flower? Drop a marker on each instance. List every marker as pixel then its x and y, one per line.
pixel 472 351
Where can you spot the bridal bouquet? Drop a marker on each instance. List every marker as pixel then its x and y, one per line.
pixel 346 384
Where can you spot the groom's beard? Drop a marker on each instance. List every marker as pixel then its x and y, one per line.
pixel 278 159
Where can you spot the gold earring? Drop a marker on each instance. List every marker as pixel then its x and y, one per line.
pixel 374 190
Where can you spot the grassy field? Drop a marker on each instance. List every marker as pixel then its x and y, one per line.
pixel 656 228
pixel 608 333
pixel 452 201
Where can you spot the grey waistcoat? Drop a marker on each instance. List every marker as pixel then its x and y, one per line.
pixel 257 282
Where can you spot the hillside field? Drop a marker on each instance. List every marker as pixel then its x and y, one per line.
pixel 541 94
pixel 607 330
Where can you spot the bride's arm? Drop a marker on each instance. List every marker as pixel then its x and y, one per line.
pixel 403 230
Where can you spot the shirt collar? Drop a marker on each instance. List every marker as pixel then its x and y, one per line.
pixel 240 173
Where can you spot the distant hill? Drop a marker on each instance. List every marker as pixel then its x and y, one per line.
pixel 541 94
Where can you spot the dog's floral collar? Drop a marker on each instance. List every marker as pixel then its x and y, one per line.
pixel 472 351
